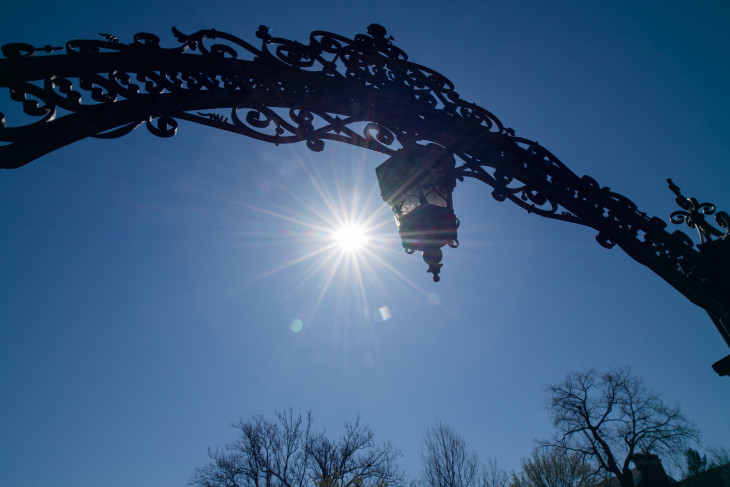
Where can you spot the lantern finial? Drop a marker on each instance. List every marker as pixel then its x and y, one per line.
pixel 433 257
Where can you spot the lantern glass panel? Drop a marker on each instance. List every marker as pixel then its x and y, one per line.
pixel 436 198
pixel 411 203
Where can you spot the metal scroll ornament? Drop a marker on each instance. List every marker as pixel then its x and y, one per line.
pixel 714 246
pixel 362 91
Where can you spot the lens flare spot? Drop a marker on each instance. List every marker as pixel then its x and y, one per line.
pixel 382 314
pixel 296 326
pixel 433 299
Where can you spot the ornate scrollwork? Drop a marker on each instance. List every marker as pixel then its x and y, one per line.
pixel 362 91
pixel 244 77
pixel 693 214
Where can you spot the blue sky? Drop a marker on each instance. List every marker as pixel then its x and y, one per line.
pixel 150 285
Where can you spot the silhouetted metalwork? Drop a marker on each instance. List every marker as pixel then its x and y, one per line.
pixel 417 183
pixel 362 91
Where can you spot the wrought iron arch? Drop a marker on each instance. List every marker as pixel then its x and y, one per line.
pixel 362 91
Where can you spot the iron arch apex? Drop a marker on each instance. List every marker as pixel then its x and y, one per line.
pixel 362 91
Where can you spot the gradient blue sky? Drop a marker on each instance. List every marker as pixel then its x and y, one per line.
pixel 149 285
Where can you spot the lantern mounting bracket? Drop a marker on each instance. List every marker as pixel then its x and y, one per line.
pixel 362 91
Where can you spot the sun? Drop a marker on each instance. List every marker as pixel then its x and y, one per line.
pixel 350 237
pixel 335 230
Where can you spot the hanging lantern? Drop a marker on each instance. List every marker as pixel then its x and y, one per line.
pixel 417 182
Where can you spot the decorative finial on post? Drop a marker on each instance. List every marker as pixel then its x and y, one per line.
pixel 693 214
pixel 378 32
pixel 263 33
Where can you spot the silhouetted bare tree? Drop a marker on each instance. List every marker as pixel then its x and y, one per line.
pixel 719 455
pixel 492 474
pixel 446 460
pixel 288 453
pixel 609 417
pixel 553 468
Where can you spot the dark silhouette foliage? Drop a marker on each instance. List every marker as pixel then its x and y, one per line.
pixel 554 468
pixel 696 464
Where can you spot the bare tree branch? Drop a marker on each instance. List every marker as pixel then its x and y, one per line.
pixel 287 452
pixel 446 460
pixel 610 417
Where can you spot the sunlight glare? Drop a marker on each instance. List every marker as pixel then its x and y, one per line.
pixel 350 237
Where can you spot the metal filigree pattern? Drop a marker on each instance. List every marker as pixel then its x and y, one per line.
pixel 362 91
pixel 693 214
pixel 333 88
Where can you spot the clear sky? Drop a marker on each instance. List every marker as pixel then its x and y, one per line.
pixel 151 287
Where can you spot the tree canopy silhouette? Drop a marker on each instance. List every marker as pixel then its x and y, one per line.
pixel 550 467
pixel 446 460
pixel 610 417
pixel 288 452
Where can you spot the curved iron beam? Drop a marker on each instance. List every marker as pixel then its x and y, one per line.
pixel 362 91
